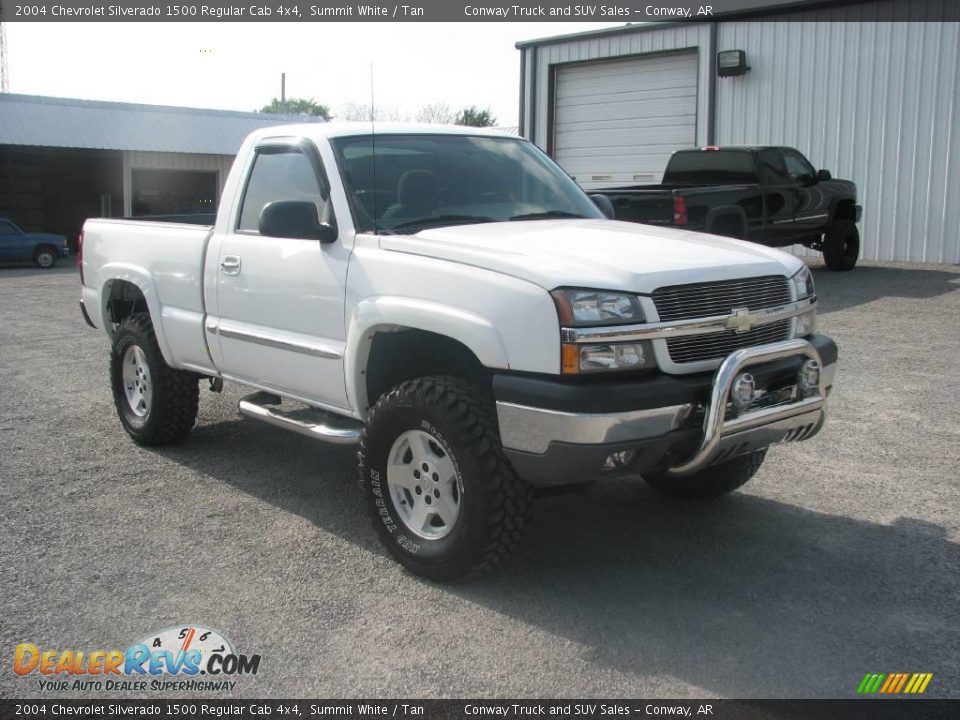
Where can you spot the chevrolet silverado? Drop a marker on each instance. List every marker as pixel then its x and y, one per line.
pixel 451 302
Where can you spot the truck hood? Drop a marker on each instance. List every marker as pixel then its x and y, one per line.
pixel 602 254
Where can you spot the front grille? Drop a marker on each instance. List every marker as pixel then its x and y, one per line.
pixel 699 300
pixel 718 345
pixel 702 300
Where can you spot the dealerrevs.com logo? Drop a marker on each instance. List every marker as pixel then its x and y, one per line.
pixel 191 658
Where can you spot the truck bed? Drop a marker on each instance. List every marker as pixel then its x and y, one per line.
pixel 166 261
pixel 654 204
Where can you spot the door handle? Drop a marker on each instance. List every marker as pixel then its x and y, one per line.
pixel 230 264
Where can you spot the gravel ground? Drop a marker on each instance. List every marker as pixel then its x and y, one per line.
pixel 840 558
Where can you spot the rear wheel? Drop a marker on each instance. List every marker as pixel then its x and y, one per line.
pixel 156 404
pixel 712 482
pixel 45 257
pixel 443 499
pixel 841 245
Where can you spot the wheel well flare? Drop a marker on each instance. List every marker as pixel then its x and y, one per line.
pixel 405 354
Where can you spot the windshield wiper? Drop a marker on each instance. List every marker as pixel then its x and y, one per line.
pixel 547 215
pixel 439 220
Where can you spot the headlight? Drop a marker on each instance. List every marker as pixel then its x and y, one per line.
pixel 583 359
pixel 579 308
pixel 803 282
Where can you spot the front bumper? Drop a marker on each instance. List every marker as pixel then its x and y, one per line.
pixel 558 432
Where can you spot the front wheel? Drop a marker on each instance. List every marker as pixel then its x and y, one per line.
pixel 443 499
pixel 712 482
pixel 841 245
pixel 45 258
pixel 156 404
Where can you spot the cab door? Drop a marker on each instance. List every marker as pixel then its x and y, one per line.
pixel 781 197
pixel 13 243
pixel 813 202
pixel 280 301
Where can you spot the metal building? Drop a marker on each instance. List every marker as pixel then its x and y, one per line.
pixel 64 160
pixel 868 90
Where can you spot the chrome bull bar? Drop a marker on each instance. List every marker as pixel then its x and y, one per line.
pixel 764 426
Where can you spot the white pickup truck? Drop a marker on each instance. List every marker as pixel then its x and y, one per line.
pixel 450 300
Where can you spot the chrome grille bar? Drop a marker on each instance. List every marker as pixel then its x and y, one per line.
pixel 719 345
pixel 681 328
pixel 697 300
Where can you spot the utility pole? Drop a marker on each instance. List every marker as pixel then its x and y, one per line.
pixel 283 93
pixel 4 62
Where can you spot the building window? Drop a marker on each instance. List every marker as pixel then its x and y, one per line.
pixel 173 192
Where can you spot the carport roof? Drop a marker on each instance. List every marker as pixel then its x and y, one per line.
pixel 63 122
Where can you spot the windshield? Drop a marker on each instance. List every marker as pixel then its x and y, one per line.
pixel 415 181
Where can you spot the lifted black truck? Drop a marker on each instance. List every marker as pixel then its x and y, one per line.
pixel 767 195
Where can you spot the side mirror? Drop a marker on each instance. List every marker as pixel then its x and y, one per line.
pixel 294 219
pixel 606 207
pixel 823 175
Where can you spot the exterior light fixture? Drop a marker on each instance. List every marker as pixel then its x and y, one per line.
pixel 741 394
pixel 731 63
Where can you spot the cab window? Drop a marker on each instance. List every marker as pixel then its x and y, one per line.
pixel 710 167
pixel 797 166
pixel 773 167
pixel 279 174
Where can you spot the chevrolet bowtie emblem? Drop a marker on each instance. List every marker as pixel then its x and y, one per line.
pixel 741 321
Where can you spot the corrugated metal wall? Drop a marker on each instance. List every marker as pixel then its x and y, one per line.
pixel 220 164
pixel 612 46
pixel 875 102
pixel 859 90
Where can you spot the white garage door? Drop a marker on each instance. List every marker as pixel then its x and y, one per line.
pixel 616 123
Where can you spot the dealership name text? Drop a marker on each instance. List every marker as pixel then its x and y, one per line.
pixel 526 11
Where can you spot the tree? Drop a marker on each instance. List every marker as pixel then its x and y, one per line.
pixel 361 112
pixel 436 113
pixel 475 117
pixel 297 106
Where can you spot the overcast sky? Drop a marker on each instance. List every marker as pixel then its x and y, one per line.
pixel 237 66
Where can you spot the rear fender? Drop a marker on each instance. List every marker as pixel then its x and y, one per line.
pixel 116 272
pixel 724 212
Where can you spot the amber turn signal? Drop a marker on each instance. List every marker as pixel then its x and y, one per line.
pixel 569 359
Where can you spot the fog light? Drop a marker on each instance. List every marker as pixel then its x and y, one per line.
pixel 611 357
pixel 619 460
pixel 808 378
pixel 577 359
pixel 741 394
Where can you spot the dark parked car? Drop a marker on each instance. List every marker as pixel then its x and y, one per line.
pixel 768 195
pixel 42 248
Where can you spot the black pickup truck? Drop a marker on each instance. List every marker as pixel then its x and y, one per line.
pixel 768 195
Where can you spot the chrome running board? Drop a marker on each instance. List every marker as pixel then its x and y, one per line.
pixel 255 406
